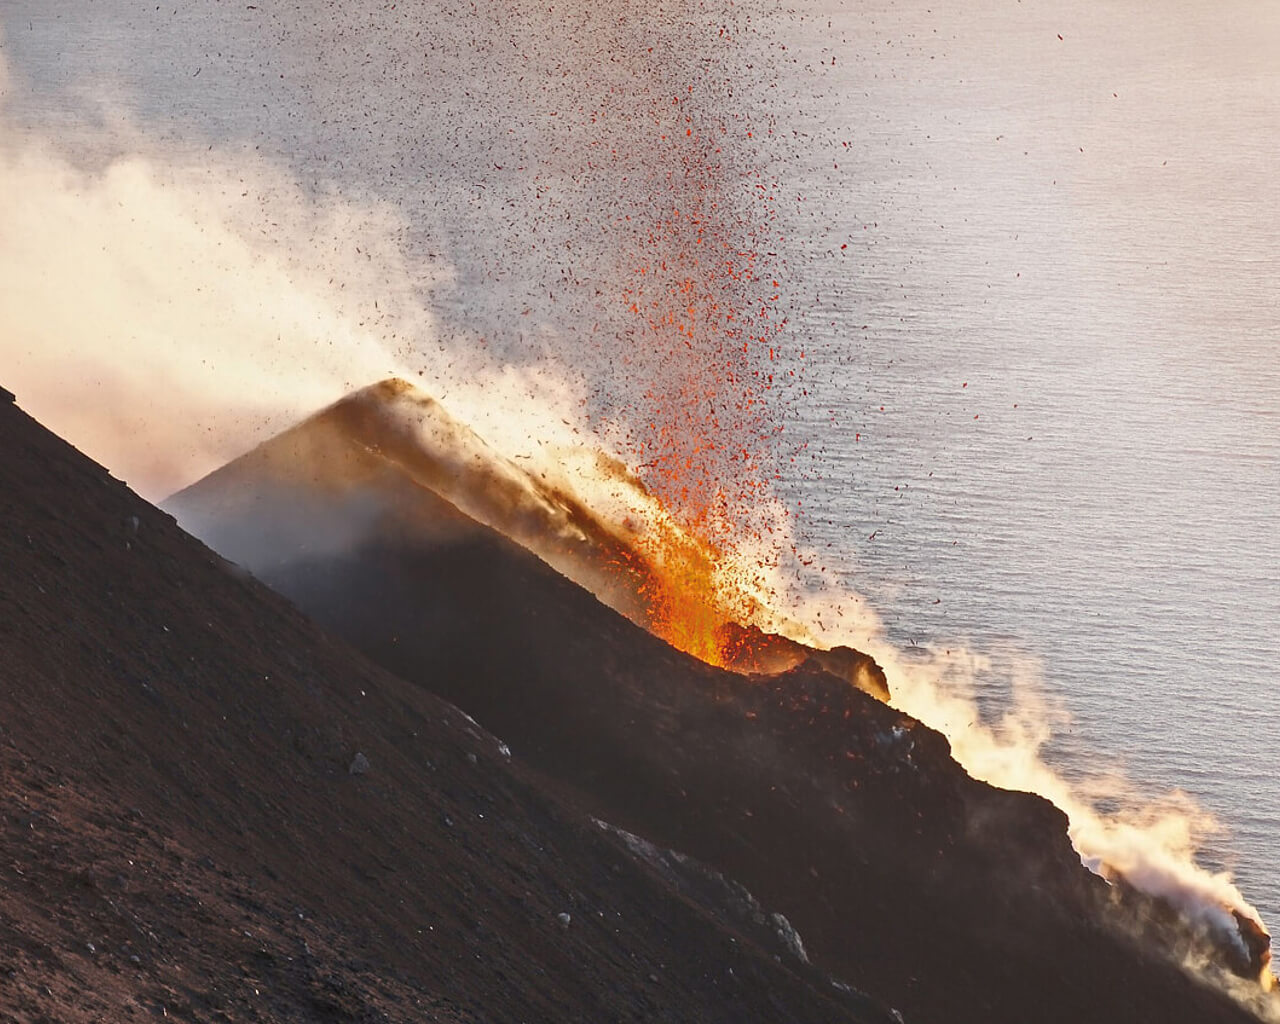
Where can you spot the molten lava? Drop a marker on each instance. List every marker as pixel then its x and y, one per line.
pixel 705 432
pixel 680 599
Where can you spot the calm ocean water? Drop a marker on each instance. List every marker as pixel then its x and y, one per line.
pixel 1034 271
pixel 1059 431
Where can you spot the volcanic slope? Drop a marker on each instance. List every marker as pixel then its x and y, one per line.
pixel 937 894
pixel 212 810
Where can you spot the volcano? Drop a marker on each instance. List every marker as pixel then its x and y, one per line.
pixel 212 810
pixel 907 879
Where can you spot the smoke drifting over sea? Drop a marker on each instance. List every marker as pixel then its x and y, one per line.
pixel 152 310
pixel 166 305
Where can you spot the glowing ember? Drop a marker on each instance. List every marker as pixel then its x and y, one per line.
pixel 705 304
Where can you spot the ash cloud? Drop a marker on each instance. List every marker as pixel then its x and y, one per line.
pixel 157 309
pixel 165 306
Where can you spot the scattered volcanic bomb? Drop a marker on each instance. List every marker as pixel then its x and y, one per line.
pixel 400 530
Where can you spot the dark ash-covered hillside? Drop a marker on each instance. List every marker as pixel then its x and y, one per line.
pixel 214 811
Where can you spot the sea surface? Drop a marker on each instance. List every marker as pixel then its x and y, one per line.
pixel 1060 433
pixel 1030 256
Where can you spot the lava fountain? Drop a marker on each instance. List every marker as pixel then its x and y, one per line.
pixel 702 292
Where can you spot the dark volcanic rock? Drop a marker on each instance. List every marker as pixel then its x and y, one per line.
pixel 945 897
pixel 758 652
pixel 183 839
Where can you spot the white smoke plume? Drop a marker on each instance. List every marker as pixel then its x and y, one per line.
pixel 165 308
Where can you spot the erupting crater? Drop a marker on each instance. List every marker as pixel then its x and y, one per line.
pixel 363 464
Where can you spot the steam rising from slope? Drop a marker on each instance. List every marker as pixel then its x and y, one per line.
pixel 129 289
pixel 1149 845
